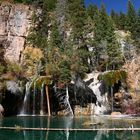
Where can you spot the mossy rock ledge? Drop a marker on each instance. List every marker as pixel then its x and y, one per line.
pixel 112 77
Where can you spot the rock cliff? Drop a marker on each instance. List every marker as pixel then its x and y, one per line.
pixel 14 26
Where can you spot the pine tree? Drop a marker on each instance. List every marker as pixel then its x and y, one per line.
pixel 136 32
pixel 77 19
pixel 39 31
pixel 53 52
pixel 92 11
pixel 100 34
pixel 122 21
pixel 131 17
pixel 113 48
pixel 77 41
pixel 115 18
pixel 107 49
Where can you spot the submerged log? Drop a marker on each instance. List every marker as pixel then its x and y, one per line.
pixel 19 128
pixel 92 124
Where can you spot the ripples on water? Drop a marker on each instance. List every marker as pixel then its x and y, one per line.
pixel 72 123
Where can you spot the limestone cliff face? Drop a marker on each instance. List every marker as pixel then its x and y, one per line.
pixel 14 26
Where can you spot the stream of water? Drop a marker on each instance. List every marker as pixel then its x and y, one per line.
pixel 69 123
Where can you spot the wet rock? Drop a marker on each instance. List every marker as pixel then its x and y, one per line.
pixel 99 89
pixel 81 97
pixel 84 94
pixel 11 98
pixel 88 110
pixel 11 103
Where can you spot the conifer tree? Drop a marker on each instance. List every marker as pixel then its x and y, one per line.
pixel 122 21
pixel 136 32
pixel 77 44
pixel 106 46
pixel 77 19
pixel 40 24
pixel 92 11
pixel 131 17
pixel 100 34
pixel 112 14
pixel 39 31
pixel 53 52
pixel 115 18
pixel 113 48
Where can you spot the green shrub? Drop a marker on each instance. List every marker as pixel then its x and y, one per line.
pixel 2 68
pixel 112 77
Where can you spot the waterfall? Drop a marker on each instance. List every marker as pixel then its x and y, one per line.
pixel 112 100
pixel 26 102
pixel 25 106
pixel 63 99
pixel 67 100
pixel 42 99
pixel 36 105
pixel 34 93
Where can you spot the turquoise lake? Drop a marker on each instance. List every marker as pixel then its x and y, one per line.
pixel 91 122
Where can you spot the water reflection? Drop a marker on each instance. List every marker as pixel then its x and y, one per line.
pixel 67 123
pixel 33 123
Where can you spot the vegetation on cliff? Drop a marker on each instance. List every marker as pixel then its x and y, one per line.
pixel 66 40
pixel 112 77
pixel 75 39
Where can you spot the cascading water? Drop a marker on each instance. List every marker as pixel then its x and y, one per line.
pixel 63 99
pixel 34 94
pixel 42 99
pixel 112 100
pixel 26 101
pixel 69 109
pixel 29 106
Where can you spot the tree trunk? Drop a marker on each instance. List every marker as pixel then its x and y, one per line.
pixel 48 101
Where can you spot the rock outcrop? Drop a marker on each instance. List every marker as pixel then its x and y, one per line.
pixel 14 26
pixel 1 110
pixel 98 88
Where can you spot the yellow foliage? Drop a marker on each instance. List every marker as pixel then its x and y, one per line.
pixel 31 58
pixel 34 54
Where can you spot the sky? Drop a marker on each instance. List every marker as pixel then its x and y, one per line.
pixel 117 5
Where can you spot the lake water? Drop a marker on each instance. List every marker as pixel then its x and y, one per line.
pixel 91 122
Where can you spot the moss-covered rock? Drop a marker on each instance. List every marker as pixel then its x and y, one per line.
pixel 38 81
pixel 112 77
